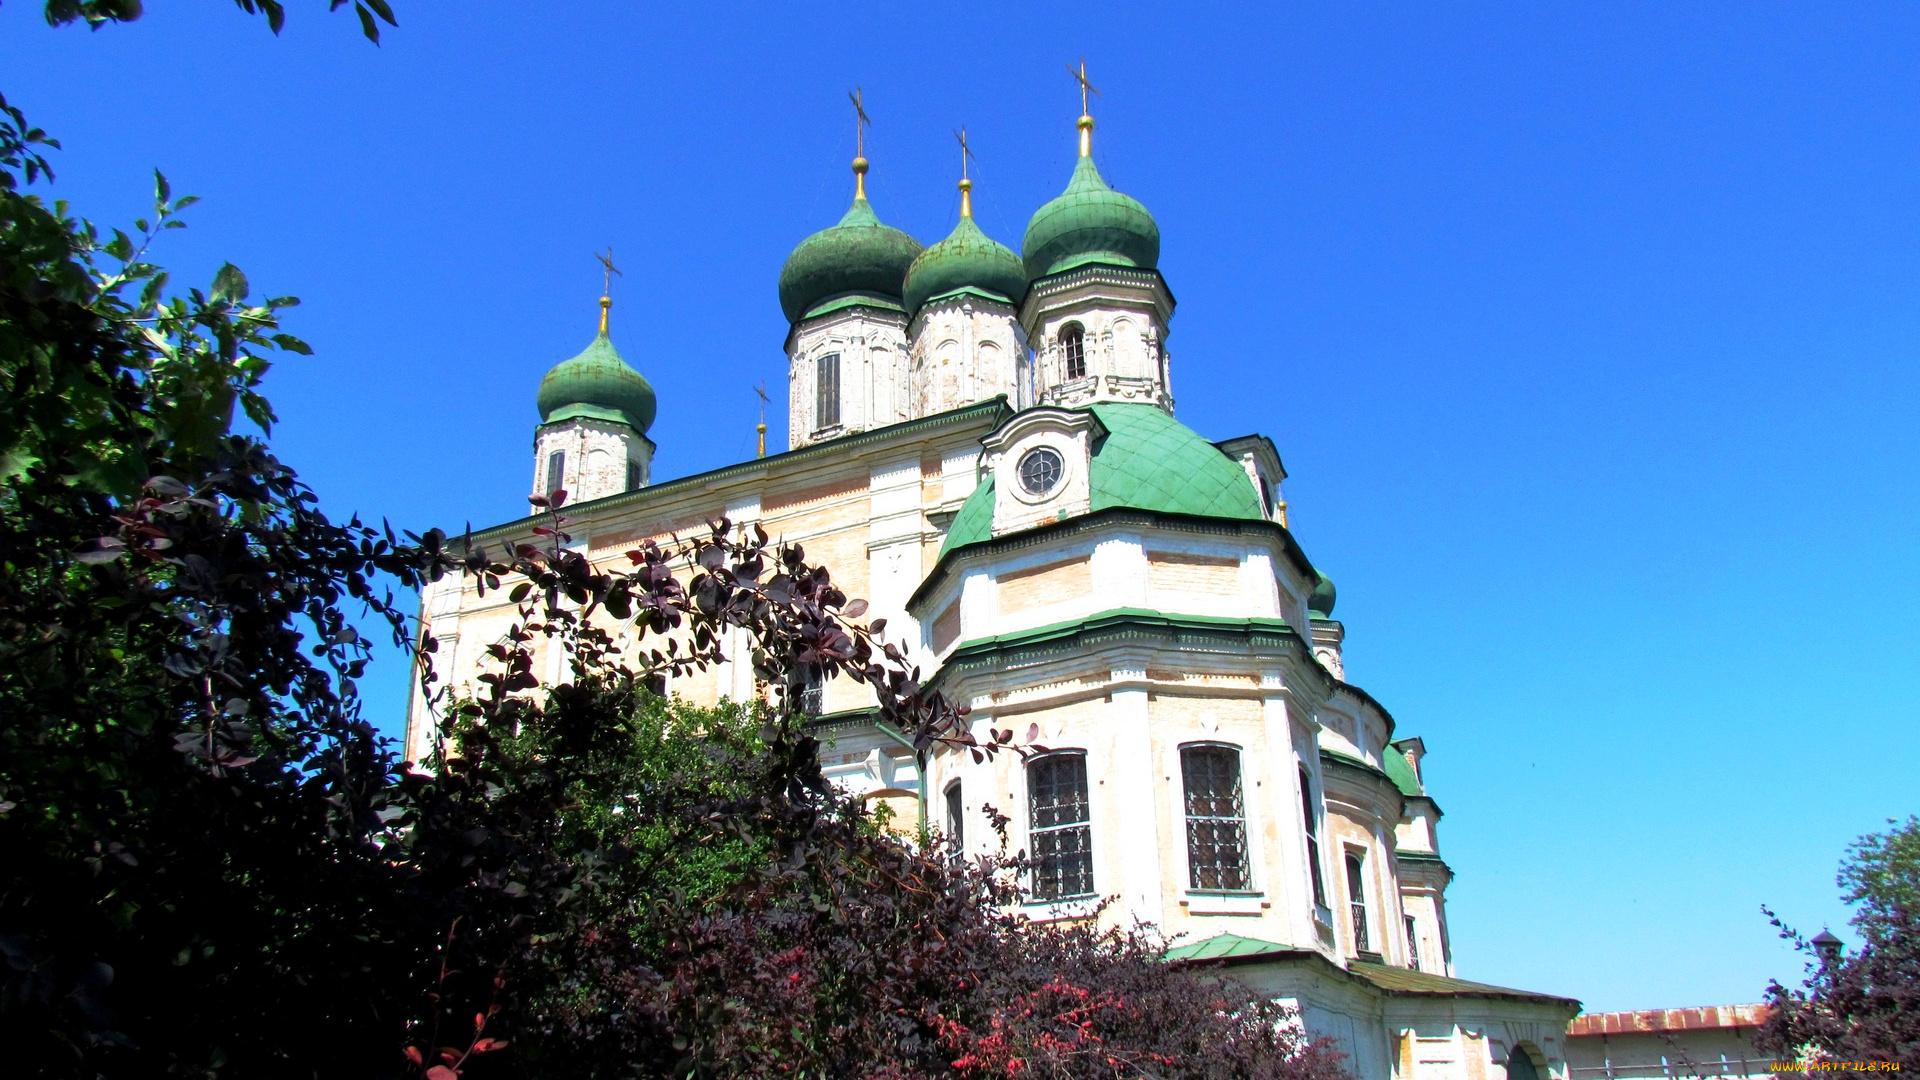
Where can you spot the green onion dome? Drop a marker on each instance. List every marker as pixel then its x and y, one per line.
pixel 859 256
pixel 1089 223
pixel 967 259
pixel 599 385
pixel 1321 602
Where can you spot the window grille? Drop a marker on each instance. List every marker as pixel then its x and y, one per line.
pixel 1073 346
pixel 556 471
pixel 1357 899
pixel 812 698
pixel 826 374
pixel 633 475
pixel 1061 839
pixel 956 817
pixel 1216 818
pixel 1313 840
pixel 1413 944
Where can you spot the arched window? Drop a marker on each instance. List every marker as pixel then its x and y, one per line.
pixel 1216 818
pixel 956 817
pixel 1413 944
pixel 811 690
pixel 1073 350
pixel 633 475
pixel 826 385
pixel 1058 833
pixel 1357 899
pixel 556 471
pixel 1520 1066
pixel 1313 840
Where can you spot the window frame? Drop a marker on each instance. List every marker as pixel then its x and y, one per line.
pixel 556 463
pixel 1073 352
pixel 1413 942
pixel 1355 864
pixel 956 815
pixel 1238 820
pixel 1311 815
pixel 810 691
pixel 1082 826
pixel 826 391
pixel 633 475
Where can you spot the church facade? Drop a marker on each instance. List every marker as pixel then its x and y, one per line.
pixel 983 445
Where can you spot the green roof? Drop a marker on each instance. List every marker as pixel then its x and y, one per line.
pixel 1089 223
pixel 968 260
pixel 1225 945
pixel 1400 771
pixel 1321 602
pixel 858 256
pixel 597 384
pixel 1147 460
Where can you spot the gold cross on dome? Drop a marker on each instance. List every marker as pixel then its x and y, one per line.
pixel 966 151
pixel 1086 87
pixel 860 122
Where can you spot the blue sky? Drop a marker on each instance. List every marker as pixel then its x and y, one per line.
pixel 1588 333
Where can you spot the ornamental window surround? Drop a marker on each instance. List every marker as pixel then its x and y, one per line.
pixel 1059 834
pixel 826 385
pixel 1216 819
pixel 1073 351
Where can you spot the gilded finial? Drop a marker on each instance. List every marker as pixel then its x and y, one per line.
pixel 860 122
pixel 761 427
pixel 1086 114
pixel 966 185
pixel 607 271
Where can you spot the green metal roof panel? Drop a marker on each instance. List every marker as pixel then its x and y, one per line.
pixel 1089 222
pixel 974 522
pixel 968 258
pixel 1150 461
pixel 600 380
pixel 1224 945
pixel 1400 771
pixel 859 255
pixel 1405 981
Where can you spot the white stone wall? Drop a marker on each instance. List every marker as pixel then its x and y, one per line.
pixel 874 378
pixel 965 349
pixel 597 455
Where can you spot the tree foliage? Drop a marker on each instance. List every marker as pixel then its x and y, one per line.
pixel 97 13
pixel 1863 1007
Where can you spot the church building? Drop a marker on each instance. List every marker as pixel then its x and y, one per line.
pixel 984 446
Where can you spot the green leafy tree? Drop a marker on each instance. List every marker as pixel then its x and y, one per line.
pixel 1864 1006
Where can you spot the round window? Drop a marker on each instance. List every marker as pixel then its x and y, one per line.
pixel 1040 471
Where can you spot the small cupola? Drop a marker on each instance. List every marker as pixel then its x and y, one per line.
pixel 595 410
pixel 968 260
pixel 1089 223
pixel 859 258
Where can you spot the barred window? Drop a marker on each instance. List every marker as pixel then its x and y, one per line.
pixel 1357 899
pixel 812 695
pixel 956 816
pixel 1216 818
pixel 1057 825
pixel 556 471
pixel 1313 840
pixel 633 475
pixel 826 382
pixel 1073 349
pixel 1413 944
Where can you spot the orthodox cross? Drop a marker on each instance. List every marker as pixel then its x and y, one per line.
pixel 607 272
pixel 1086 87
pixel 860 122
pixel 966 152
pixel 762 428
